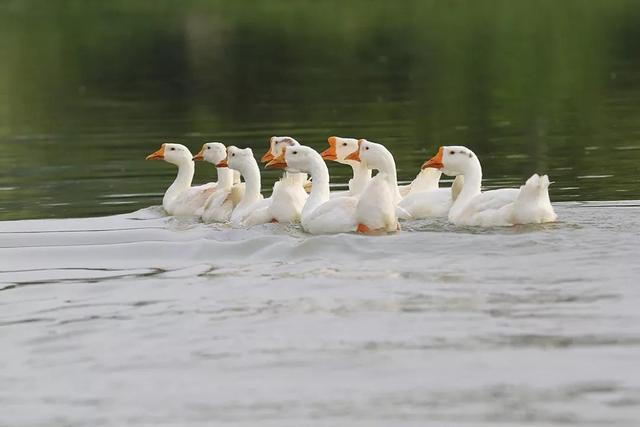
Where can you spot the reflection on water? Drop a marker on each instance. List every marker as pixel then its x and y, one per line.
pixel 87 90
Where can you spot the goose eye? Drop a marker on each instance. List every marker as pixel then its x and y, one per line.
pixel 233 155
pixel 173 148
pixel 295 152
pixel 208 148
pixel 366 148
pixel 344 144
pixel 452 152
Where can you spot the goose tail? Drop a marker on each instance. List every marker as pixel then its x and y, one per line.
pixel 533 204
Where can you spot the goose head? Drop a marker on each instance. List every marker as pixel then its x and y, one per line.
pixel 237 158
pixel 276 145
pixel 176 154
pixel 372 155
pixel 297 159
pixel 453 160
pixel 339 149
pixel 212 152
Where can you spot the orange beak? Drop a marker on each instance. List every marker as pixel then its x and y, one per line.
pixel 157 155
pixel 436 161
pixel 330 153
pixel 356 154
pixel 222 163
pixel 200 155
pixel 267 156
pixel 277 162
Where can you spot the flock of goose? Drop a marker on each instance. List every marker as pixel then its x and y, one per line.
pixel 370 205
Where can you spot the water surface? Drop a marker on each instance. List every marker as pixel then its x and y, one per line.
pixel 141 319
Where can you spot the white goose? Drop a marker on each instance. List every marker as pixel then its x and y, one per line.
pixel 321 214
pixel 526 205
pixel 289 195
pixel 426 199
pixel 428 179
pixel 339 149
pixel 228 193
pixel 252 209
pixel 431 202
pixel 376 209
pixel 181 198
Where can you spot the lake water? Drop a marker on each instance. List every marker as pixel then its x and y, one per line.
pixel 112 313
pixel 140 319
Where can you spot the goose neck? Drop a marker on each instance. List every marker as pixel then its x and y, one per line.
pixel 361 176
pixel 299 178
pixel 251 175
pixel 183 180
pixel 225 178
pixel 320 189
pixel 471 187
pixel 387 166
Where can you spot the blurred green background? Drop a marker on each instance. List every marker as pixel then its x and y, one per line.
pixel 89 88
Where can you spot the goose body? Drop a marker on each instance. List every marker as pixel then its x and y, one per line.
pixel 189 202
pixel 320 214
pixel 253 208
pixel 504 207
pixel 220 205
pixel 376 209
pixel 425 199
pixel 416 207
pixel 289 194
pixel 288 198
pixel 426 204
pixel 228 191
pixel 181 199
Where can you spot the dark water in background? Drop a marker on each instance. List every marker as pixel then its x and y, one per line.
pixel 87 89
